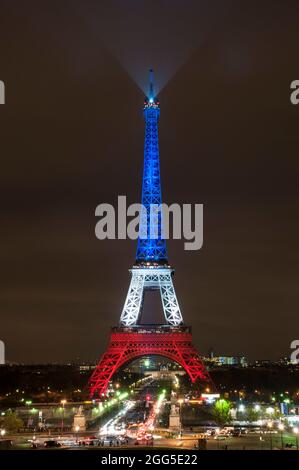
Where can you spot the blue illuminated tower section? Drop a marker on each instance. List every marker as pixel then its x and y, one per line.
pixel 151 246
pixel 151 270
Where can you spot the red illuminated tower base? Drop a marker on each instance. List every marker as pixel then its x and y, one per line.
pixel 128 343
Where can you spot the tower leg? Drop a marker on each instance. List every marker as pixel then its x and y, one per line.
pixel 143 279
pixel 133 303
pixel 170 303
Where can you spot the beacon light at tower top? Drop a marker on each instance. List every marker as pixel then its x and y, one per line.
pixel 151 100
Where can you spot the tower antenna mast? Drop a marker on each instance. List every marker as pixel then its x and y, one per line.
pixel 151 84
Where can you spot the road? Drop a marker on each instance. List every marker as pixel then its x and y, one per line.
pixel 135 422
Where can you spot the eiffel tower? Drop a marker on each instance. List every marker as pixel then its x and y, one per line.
pixel 151 271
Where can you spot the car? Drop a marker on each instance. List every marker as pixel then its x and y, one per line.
pixel 69 442
pixel 110 441
pixel 210 432
pixel 51 443
pixel 5 444
pixel 289 446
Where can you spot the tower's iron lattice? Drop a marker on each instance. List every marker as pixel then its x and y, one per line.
pixel 151 271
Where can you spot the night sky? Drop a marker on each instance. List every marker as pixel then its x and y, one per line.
pixel 71 135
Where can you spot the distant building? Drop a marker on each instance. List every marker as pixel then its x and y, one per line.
pixel 152 363
pixel 284 361
pixel 281 362
pixel 232 361
pixel 86 367
pixel 218 361
pixel 262 363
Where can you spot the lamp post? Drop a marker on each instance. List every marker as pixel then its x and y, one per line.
pixel 281 428
pixel 296 431
pixel 77 430
pixel 2 433
pixel 241 411
pixel 180 403
pixel 270 426
pixel 63 402
pixel 217 432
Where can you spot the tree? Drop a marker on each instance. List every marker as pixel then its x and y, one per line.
pixel 12 422
pixel 221 411
pixel 252 415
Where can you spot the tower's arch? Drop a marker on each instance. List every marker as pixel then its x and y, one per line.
pixel 125 347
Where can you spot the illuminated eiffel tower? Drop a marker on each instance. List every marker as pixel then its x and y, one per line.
pixel 151 271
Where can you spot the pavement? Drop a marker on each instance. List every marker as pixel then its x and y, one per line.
pixel 247 442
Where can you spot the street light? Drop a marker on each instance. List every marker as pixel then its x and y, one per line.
pixel 296 431
pixel 217 432
pixel 2 432
pixel 180 401
pixel 77 429
pixel 270 426
pixel 270 410
pixel 281 428
pixel 63 402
